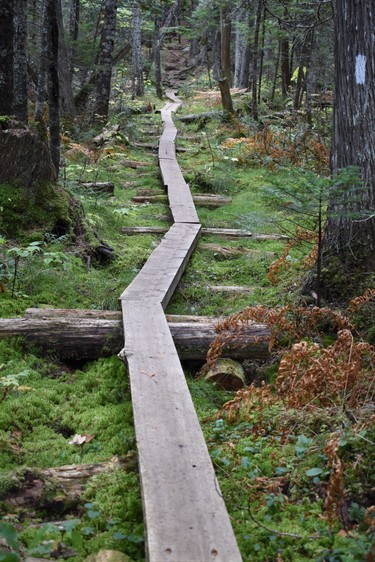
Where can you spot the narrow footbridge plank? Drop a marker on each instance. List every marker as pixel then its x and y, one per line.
pixel 161 273
pixel 185 516
pixel 184 512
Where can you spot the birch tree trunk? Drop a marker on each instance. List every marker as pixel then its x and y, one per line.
pixel 20 61
pixel 103 82
pixel 6 57
pixel 137 66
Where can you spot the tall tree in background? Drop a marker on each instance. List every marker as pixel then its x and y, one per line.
pixel 20 61
pixel 349 242
pixel 6 57
pixel 53 81
pixel 137 65
pixel 107 40
pixel 64 66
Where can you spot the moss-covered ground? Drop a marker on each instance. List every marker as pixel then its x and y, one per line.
pixel 272 461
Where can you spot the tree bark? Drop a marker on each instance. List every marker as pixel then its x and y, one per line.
pixel 6 57
pixel 225 33
pixel 137 65
pixel 42 71
pixel 103 81
pixel 350 230
pixel 53 83
pixel 88 334
pixel 242 51
pixel 20 110
pixel 255 66
pixel 64 68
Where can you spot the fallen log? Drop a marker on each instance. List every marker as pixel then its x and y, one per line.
pixel 229 233
pixel 68 482
pixel 89 334
pixel 155 147
pixel 232 251
pixel 105 187
pixel 211 201
pixel 134 164
pixel 230 289
pixel 201 117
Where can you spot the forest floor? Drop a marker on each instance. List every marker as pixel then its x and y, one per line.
pixel 294 449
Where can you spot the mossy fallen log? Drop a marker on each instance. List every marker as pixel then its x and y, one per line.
pixel 89 334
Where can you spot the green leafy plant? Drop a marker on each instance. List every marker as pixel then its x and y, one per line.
pixel 9 533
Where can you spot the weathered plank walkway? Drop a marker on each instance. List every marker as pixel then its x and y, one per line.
pixel 185 516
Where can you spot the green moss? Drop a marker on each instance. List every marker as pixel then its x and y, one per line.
pixel 48 207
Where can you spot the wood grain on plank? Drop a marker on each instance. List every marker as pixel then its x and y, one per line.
pixel 185 515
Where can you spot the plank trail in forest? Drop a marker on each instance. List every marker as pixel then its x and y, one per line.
pixel 185 515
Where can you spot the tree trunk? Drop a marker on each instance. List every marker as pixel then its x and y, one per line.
pixel 349 241
pixel 216 56
pixel 73 30
pixel 284 56
pixel 20 110
pixel 157 59
pixel 255 71
pixel 42 71
pixel 64 68
pixel 242 56
pixel 6 57
pixel 103 82
pixel 137 65
pixel 53 83
pixel 225 32
pixel 88 334
pixel 226 98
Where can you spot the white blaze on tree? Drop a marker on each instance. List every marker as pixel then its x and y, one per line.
pixel 360 69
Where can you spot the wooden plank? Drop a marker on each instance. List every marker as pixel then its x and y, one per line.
pixel 160 275
pixel 185 515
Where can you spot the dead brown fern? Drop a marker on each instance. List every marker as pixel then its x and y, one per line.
pixel 363 299
pixel 282 263
pixel 287 324
pixel 340 375
pixel 335 489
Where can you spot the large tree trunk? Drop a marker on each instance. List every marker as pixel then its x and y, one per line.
pixel 6 57
pixel 88 334
pixel 137 65
pixel 20 61
pixel 103 82
pixel 53 83
pixel 349 241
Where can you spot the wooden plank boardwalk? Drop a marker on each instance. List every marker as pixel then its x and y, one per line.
pixel 185 515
